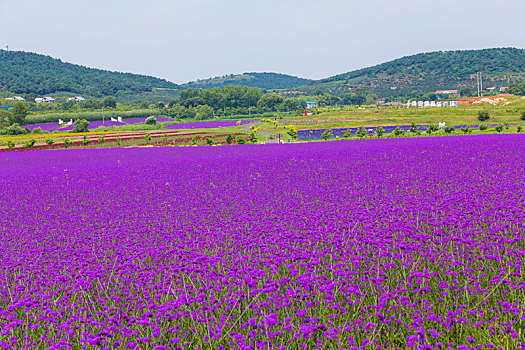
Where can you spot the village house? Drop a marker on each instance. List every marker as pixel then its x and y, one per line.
pixel 16 98
pixel 311 104
pixel 45 100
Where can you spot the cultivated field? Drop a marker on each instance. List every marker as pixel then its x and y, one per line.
pixel 364 244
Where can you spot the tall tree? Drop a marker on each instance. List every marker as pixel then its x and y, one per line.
pixel 18 114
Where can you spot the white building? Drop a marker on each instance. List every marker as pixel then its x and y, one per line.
pixel 311 104
pixel 76 99
pixel 45 100
pixel 16 98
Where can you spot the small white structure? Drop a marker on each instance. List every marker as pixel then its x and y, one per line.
pixel 76 99
pixel 119 119
pixel 113 119
pixel 438 104
pixel 433 104
pixel 420 104
pixel 45 100
pixel 426 104
pixel 441 125
pixel 16 98
pixel 60 122
pixel 70 122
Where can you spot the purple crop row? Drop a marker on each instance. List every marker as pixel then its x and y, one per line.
pixel 414 243
pixel 207 125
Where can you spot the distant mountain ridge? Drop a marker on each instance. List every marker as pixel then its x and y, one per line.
pixel 265 81
pixel 427 72
pixel 25 73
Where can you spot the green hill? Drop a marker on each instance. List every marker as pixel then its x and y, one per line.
pixel 428 72
pixel 265 81
pixel 31 73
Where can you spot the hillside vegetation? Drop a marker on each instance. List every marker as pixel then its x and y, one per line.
pixel 265 81
pixel 427 72
pixel 30 73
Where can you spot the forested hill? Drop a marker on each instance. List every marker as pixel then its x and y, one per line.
pixel 265 81
pixel 427 72
pixel 26 73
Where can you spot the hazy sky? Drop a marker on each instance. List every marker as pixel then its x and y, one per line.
pixel 187 40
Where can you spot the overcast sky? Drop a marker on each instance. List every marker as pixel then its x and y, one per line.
pixel 195 39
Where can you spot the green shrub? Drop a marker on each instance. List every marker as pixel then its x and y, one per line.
pixel 101 139
pixel 209 141
pixel 483 127
pixel 449 129
pixel 50 141
pixel 346 135
pixel 519 128
pixel 229 139
pixel 119 141
pixel 15 129
pixel 466 130
pixel 327 134
pixel 151 121
pixel 147 137
pixel 10 143
pixel 361 132
pixel 380 131
pixel 398 131
pixel 85 141
pixel 413 127
pixel 523 115
pixel 37 131
pixel 67 142
pixel 483 116
pixel 241 141
pixel 80 125
pixel 499 128
pixel 30 143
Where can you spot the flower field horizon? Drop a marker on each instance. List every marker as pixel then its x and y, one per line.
pixel 413 243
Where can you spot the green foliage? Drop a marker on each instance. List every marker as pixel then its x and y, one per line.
pixel 266 81
pixel 67 142
pixel 499 128
pixel 85 140
pixel 449 129
pixel 241 141
pixel 18 113
pixel 253 137
pixel 29 73
pixel 522 115
pixel 204 112
pixel 483 127
pixel 101 139
pixel 80 125
pixel 147 137
pixel 466 130
pixel 209 141
pixel 10 143
pixel 361 132
pixel 347 134
pixel 151 121
pixel 270 101
pixel 229 139
pixel 413 128
pixel 30 143
pixel 380 131
pixel 37 131
pixel 14 129
pixel 110 102
pixel 327 134
pixel 49 141
pixel 292 131
pixel 119 141
pixel 483 116
pixel 398 131
pixel 519 128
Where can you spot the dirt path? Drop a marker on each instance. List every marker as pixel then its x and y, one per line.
pixel 265 133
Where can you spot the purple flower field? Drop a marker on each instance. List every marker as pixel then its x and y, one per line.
pixel 413 243
pixel 207 125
